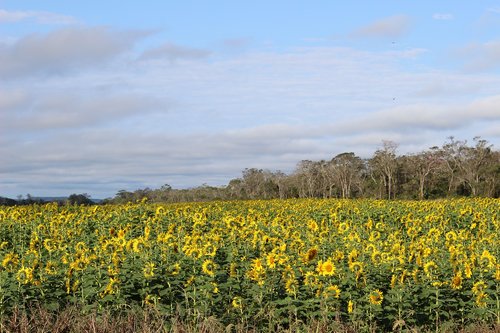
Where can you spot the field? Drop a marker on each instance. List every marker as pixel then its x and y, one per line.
pixel 259 265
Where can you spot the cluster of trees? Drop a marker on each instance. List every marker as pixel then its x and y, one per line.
pixel 454 169
pixel 73 199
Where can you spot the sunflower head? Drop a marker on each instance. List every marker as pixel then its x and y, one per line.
pixel 376 297
pixel 332 291
pixel 208 267
pixel 149 270
pixel 311 254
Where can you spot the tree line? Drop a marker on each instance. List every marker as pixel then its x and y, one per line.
pixel 457 168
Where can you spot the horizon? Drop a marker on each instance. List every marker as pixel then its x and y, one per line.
pixel 99 97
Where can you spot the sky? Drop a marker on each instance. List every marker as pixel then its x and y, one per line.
pixel 102 96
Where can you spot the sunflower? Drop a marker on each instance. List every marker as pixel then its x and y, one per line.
pixel 481 299
pixel 10 261
pixel 271 260
pixel 456 281
pixel 356 267
pixel 479 287
pixel 208 267
pixel 291 286
pixel 233 270
pixel 24 275
pixel 79 247
pixel 50 268
pixel 310 279
pixel 175 269
pixel 331 291
pixel 210 250
pixel 374 236
pixel 311 254
pixel 468 270
pixel 237 302
pixel 350 306
pixel 376 257
pixel 111 287
pixel 257 272
pixel 138 245
pixel 49 244
pixel 326 268
pixel 79 264
pixel 430 268
pixel 149 270
pixel 312 225
pixel 394 279
pixel 108 246
pixel 160 211
pixel 343 227
pixel 376 297
pixel 487 260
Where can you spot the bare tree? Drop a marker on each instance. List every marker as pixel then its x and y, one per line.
pixel 346 170
pixel 492 175
pixel 384 165
pixel 307 175
pixel 422 165
pixel 280 179
pixel 467 165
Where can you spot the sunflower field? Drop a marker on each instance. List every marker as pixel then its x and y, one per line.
pixel 389 264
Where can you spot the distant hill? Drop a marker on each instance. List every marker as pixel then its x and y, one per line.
pixel 7 201
pixel 51 199
pixel 11 202
pixel 62 199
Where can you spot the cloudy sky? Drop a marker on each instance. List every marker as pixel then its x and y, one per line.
pixel 98 96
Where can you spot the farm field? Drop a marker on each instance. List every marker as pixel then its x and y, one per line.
pixel 369 264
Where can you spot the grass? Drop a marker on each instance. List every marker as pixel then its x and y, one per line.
pixel 72 320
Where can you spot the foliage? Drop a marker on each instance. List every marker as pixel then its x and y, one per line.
pixel 391 265
pixel 455 169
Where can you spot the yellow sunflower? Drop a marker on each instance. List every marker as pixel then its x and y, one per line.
pixel 376 297
pixel 25 275
pixel 208 267
pixel 326 268
pixel 149 270
pixel 332 291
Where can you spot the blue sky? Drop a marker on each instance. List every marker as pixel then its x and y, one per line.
pixel 101 96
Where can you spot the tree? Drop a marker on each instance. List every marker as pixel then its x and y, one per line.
pixel 124 196
pixel 475 166
pixel 422 166
pixel 258 183
pixel 79 199
pixel 346 171
pixel 492 175
pixel 281 180
pixel 384 166
pixel 308 177
pixel 467 166
pixel 235 189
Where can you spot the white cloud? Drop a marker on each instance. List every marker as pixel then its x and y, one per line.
pixel 10 100
pixel 481 56
pixel 64 49
pixel 389 27
pixel 434 117
pixel 70 111
pixel 38 16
